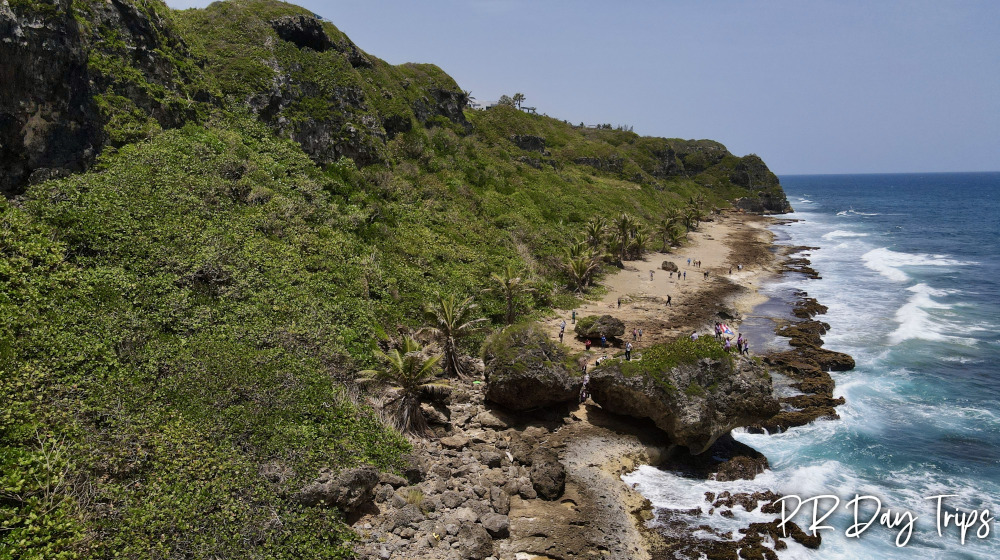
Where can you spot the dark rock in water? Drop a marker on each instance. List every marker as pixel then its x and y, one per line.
pixel 669 266
pixel 548 476
pixel 525 369
pixel 727 459
pixel 714 397
pixel 347 491
pixel 594 326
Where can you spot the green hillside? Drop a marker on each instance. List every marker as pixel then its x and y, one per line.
pixel 246 208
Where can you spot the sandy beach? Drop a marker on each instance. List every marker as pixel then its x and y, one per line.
pixel 696 300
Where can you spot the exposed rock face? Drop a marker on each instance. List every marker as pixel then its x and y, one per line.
pixel 304 32
pixel 528 142
pixel 59 84
pixel 722 398
pixel 594 327
pixel 524 370
pixel 348 491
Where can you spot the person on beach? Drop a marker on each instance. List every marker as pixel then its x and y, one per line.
pixel 706 275
pixel 635 334
pixel 694 336
pixel 628 351
pixel 619 303
pixel 689 261
pixel 583 389
pixel 562 326
pixel 640 335
pixel 671 274
pixel 574 316
pixel 685 275
pixel 746 347
pixel 668 301
pixel 561 333
pixel 604 341
pixel 739 342
pixel 650 275
pixel 586 344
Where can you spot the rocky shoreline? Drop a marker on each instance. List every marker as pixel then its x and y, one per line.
pixel 543 480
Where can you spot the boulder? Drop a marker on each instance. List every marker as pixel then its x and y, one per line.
pixel 497 525
pixel 548 476
pixel 528 142
pixel 347 491
pixel 694 400
pixel 594 326
pixel 669 266
pixel 474 542
pixel 525 369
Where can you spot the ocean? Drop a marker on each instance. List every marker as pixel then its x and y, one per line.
pixel 910 267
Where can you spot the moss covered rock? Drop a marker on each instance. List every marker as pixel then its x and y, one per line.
pixel 594 326
pixel 525 369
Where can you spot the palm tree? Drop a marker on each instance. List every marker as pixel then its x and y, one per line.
pixel 692 215
pixel 596 231
pixel 639 243
pixel 624 226
pixel 451 322
pixel 580 270
pixel 468 98
pixel 518 99
pixel 668 226
pixel 410 372
pixel 511 285
pixel 579 248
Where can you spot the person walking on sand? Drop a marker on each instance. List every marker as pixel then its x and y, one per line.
pixel 561 333
pixel 562 326
pixel 635 334
pixel 604 341
pixel 689 261
pixel 668 301
pixel 619 303
pixel 640 335
pixel 586 344
pixel 574 316
pixel 628 351
pixel 650 275
pixel 685 275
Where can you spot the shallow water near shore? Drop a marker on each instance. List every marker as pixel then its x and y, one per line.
pixel 910 267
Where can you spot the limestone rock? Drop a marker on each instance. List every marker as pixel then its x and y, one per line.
pixel 669 266
pixel 594 327
pixel 497 525
pixel 525 369
pixel 347 491
pixel 694 403
pixel 548 476
pixel 474 542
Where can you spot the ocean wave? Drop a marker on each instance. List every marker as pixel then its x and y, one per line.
pixel 888 262
pixel 854 212
pixel 839 233
pixel 916 320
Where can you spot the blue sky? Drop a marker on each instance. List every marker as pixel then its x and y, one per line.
pixel 811 87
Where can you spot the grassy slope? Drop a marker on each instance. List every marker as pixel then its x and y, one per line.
pixel 178 323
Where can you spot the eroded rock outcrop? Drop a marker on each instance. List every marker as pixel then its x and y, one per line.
pixel 594 326
pixel 525 369
pixel 694 403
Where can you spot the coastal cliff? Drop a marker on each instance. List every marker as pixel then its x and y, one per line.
pixel 213 220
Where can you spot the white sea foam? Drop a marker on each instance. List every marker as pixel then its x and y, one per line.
pixel 888 262
pixel 914 319
pixel 839 233
pixel 854 212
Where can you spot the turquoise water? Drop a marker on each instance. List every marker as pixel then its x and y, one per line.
pixel 910 267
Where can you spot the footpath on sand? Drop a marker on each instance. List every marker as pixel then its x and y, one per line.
pixel 731 242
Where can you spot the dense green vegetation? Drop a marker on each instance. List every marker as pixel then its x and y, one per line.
pixel 181 325
pixel 661 358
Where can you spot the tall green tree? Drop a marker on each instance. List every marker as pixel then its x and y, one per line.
pixel 450 322
pixel 511 285
pixel 624 226
pixel 597 231
pixel 518 99
pixel 580 270
pixel 410 370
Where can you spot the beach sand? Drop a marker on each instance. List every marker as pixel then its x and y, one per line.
pixel 696 300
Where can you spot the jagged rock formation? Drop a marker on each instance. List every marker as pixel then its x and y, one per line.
pixel 694 403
